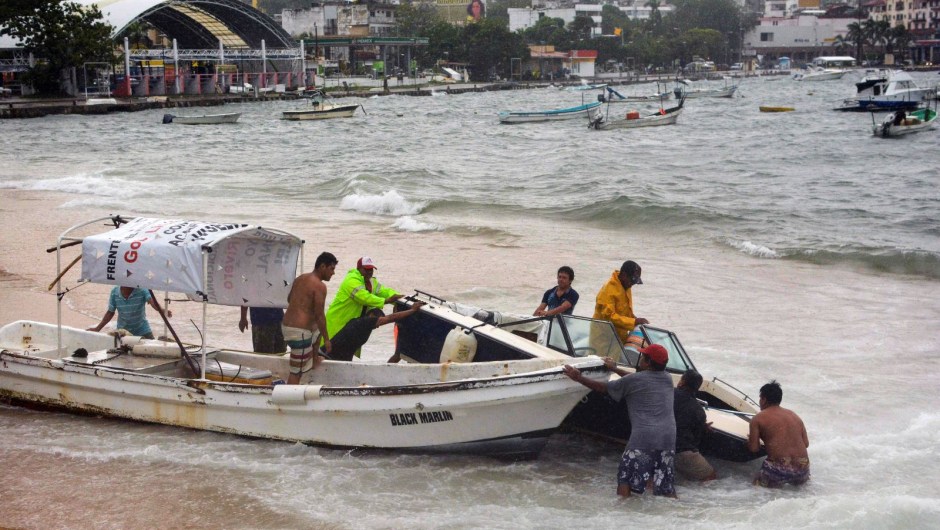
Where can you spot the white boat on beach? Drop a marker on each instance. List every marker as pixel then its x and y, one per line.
pixel 505 409
pixel 579 111
pixel 203 119
pixel 321 108
pixel 505 337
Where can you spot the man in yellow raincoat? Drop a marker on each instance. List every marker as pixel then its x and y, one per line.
pixel 358 293
pixel 615 300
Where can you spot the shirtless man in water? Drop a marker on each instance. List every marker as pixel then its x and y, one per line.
pixel 305 320
pixel 784 437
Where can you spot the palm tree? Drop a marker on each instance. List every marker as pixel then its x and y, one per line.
pixel 856 35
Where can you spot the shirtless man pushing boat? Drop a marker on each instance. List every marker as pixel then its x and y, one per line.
pixel 784 437
pixel 305 319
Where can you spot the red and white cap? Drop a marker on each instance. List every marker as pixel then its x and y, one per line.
pixel 366 262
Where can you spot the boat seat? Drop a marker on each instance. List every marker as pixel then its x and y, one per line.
pixel 235 373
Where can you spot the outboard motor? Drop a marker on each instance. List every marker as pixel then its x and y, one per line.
pixel 601 98
pixel 168 118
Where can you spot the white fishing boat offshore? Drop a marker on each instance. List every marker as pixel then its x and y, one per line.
pixel 505 409
pixel 633 119
pixel 322 107
pixel 579 111
pixel 203 119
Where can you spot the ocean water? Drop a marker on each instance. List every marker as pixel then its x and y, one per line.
pixel 793 246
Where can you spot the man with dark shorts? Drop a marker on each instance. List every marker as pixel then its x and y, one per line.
pixel 349 341
pixel 690 428
pixel 785 440
pixel 266 333
pixel 651 449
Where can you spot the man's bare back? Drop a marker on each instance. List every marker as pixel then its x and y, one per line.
pixel 306 291
pixel 782 432
pixel 306 301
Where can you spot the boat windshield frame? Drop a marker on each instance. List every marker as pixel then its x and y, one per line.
pixel 679 360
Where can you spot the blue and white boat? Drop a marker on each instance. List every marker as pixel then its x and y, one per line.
pixel 581 111
pixel 895 91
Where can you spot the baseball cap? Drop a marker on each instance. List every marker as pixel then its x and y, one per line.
pixel 656 353
pixel 366 262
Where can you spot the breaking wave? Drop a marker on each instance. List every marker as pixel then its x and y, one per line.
pixel 389 203
pixel 410 224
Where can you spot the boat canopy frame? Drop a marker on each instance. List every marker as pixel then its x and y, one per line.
pixel 244 264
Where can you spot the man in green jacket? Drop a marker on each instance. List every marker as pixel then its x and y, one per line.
pixel 358 293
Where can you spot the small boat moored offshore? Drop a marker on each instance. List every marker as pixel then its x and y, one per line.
pixel 633 119
pixel 548 115
pixel 685 89
pixel 203 119
pixel 765 108
pixel 882 91
pixel 322 107
pixel 901 123
pixel 505 409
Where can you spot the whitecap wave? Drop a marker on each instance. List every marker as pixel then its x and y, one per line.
pixel 754 250
pixel 83 183
pixel 410 224
pixel 388 203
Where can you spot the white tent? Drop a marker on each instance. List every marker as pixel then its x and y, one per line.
pixel 225 264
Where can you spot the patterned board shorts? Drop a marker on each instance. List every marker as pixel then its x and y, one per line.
pixel 639 467
pixel 776 473
pixel 301 343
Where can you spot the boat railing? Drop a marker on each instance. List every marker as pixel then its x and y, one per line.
pixel 744 396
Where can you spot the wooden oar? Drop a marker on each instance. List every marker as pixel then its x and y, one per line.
pixel 64 245
pixel 192 365
pixel 61 274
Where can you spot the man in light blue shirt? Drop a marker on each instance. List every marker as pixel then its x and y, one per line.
pixel 130 304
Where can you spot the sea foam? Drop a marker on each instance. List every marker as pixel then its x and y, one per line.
pixel 410 224
pixel 754 250
pixel 388 203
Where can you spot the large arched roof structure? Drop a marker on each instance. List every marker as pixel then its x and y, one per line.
pixel 197 23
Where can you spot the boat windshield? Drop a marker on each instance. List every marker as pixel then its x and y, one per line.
pixel 580 336
pixel 678 360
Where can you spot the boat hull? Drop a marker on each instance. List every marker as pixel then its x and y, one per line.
pixel 645 121
pixel 763 108
pixel 923 119
pixel 207 119
pixel 708 93
pixel 423 337
pixel 495 410
pixel 547 115
pixel 340 111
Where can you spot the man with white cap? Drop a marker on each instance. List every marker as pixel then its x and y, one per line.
pixel 358 293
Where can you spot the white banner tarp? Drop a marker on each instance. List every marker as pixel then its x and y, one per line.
pixel 247 265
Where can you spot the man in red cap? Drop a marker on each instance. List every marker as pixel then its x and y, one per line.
pixel 358 293
pixel 648 393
